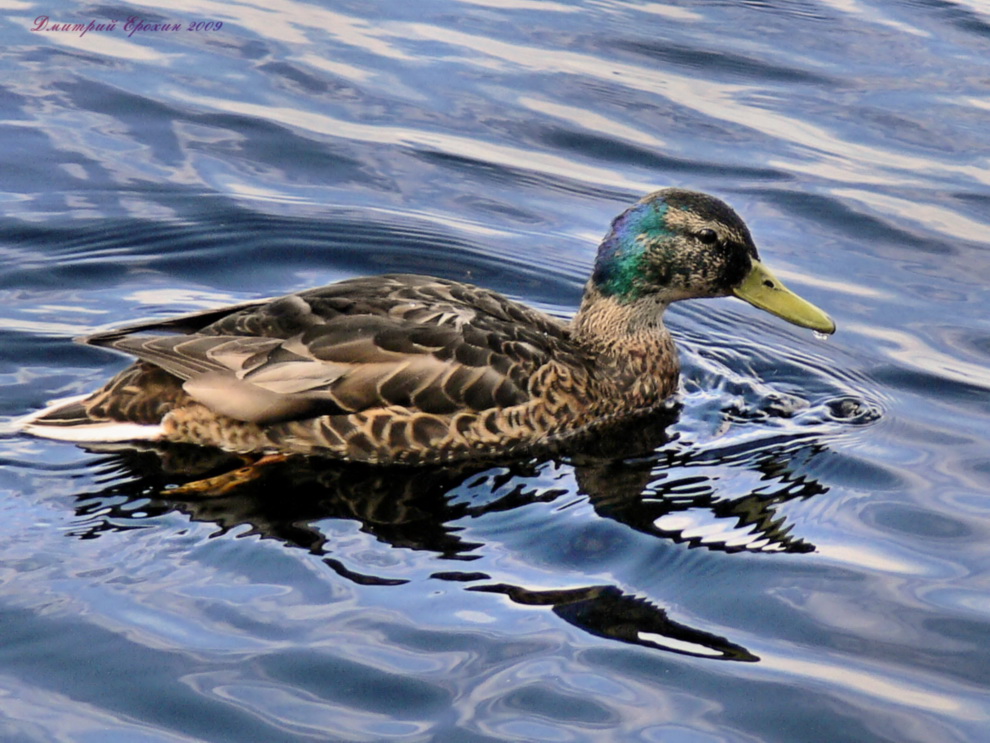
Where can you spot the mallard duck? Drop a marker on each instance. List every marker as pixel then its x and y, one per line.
pixel 414 369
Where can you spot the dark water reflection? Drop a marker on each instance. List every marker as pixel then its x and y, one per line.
pixel 423 509
pixel 817 510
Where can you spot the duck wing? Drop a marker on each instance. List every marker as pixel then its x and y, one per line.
pixel 405 341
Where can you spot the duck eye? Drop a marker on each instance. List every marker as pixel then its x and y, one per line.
pixel 708 236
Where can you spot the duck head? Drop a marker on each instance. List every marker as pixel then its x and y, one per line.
pixel 677 244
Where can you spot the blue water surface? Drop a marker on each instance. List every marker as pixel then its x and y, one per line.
pixel 799 556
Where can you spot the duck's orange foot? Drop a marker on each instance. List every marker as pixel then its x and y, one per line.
pixel 227 482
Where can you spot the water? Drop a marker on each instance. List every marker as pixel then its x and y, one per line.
pixel 800 556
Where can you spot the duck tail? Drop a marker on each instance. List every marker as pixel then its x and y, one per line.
pixel 72 419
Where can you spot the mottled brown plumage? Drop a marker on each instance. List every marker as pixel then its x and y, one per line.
pixel 413 369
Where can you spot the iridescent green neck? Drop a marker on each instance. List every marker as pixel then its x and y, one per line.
pixel 620 263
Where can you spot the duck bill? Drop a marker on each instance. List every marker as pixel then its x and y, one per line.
pixel 764 290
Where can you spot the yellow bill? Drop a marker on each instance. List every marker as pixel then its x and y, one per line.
pixel 764 290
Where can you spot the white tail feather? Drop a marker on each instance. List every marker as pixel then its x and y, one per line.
pixel 96 432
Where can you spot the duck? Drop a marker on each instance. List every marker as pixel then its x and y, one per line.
pixel 410 369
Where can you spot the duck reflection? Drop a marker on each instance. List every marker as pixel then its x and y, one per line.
pixel 657 493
